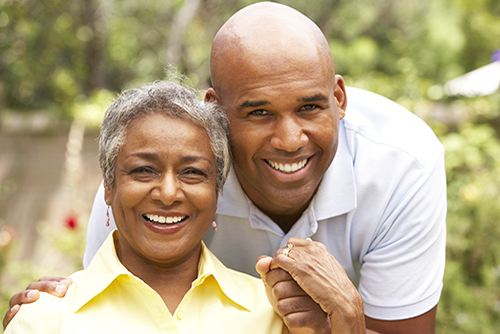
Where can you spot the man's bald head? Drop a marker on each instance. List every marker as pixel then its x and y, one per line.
pixel 266 35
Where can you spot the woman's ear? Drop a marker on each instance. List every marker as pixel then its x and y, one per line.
pixel 107 195
pixel 212 96
pixel 340 95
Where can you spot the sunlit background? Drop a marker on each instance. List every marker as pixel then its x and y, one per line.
pixel 62 62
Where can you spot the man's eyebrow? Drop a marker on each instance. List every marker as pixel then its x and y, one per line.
pixel 317 97
pixel 252 104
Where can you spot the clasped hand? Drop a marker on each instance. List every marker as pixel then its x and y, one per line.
pixel 310 290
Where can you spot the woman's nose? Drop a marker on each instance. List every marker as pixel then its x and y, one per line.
pixel 168 190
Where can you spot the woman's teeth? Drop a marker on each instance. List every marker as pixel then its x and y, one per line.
pixel 164 220
pixel 287 168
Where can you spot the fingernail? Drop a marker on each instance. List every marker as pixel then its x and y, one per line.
pixel 32 294
pixel 60 289
pixel 15 308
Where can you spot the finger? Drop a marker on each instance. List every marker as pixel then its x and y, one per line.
pixel 263 265
pixel 287 289
pixel 302 312
pixel 277 275
pixel 56 288
pixel 297 304
pixel 10 315
pixel 306 322
pixel 24 297
pixel 53 279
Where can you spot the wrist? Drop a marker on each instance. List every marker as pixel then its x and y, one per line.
pixel 348 317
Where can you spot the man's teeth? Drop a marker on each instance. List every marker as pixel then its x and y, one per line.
pixel 164 220
pixel 287 168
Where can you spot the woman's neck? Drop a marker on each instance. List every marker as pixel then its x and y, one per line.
pixel 170 281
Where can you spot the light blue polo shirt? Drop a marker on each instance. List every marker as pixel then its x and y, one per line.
pixel 380 210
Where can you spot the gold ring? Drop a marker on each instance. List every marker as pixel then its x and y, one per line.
pixel 287 249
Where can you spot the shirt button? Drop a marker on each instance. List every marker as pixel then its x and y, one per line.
pixel 180 315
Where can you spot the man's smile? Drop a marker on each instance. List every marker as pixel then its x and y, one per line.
pixel 285 167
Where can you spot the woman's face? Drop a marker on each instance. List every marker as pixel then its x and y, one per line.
pixel 164 196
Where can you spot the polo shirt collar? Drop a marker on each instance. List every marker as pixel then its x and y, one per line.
pixel 336 194
pixel 106 267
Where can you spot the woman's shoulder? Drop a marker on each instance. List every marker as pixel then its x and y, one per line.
pixel 42 316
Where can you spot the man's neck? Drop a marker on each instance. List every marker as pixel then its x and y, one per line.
pixel 285 222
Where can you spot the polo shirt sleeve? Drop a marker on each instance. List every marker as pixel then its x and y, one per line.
pixel 97 231
pixel 403 266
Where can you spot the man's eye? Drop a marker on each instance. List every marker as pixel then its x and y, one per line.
pixel 309 107
pixel 259 112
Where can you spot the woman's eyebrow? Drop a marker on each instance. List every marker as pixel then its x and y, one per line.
pixel 193 158
pixel 144 155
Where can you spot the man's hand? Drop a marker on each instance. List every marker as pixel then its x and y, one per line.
pixel 299 312
pixel 56 286
pixel 322 278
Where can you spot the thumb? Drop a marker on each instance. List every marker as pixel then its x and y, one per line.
pixel 263 265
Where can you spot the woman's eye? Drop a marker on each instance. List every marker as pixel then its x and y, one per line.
pixel 193 171
pixel 142 170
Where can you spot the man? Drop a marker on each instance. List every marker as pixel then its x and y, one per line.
pixel 376 212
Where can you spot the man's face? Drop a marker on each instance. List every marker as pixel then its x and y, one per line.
pixel 284 122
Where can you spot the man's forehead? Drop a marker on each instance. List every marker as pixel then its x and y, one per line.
pixel 265 33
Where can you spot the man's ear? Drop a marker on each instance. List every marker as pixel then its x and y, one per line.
pixel 340 95
pixel 212 96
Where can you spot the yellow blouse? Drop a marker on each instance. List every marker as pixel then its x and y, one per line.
pixel 107 298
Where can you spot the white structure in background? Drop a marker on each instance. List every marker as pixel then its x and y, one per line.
pixel 480 82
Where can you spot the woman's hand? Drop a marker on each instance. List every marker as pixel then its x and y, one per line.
pixel 300 313
pixel 56 286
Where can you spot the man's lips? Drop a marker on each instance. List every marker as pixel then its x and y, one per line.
pixel 164 219
pixel 287 167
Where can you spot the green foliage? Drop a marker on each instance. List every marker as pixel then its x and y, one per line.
pixel 471 295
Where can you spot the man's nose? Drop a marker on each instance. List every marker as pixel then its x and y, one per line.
pixel 289 134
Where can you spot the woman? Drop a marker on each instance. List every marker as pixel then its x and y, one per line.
pixel 164 157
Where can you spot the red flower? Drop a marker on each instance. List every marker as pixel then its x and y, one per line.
pixel 71 222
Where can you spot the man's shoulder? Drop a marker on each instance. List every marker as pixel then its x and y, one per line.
pixel 381 121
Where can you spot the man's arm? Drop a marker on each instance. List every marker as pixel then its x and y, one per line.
pixel 424 323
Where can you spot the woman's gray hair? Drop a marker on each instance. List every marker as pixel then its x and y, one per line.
pixel 173 100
